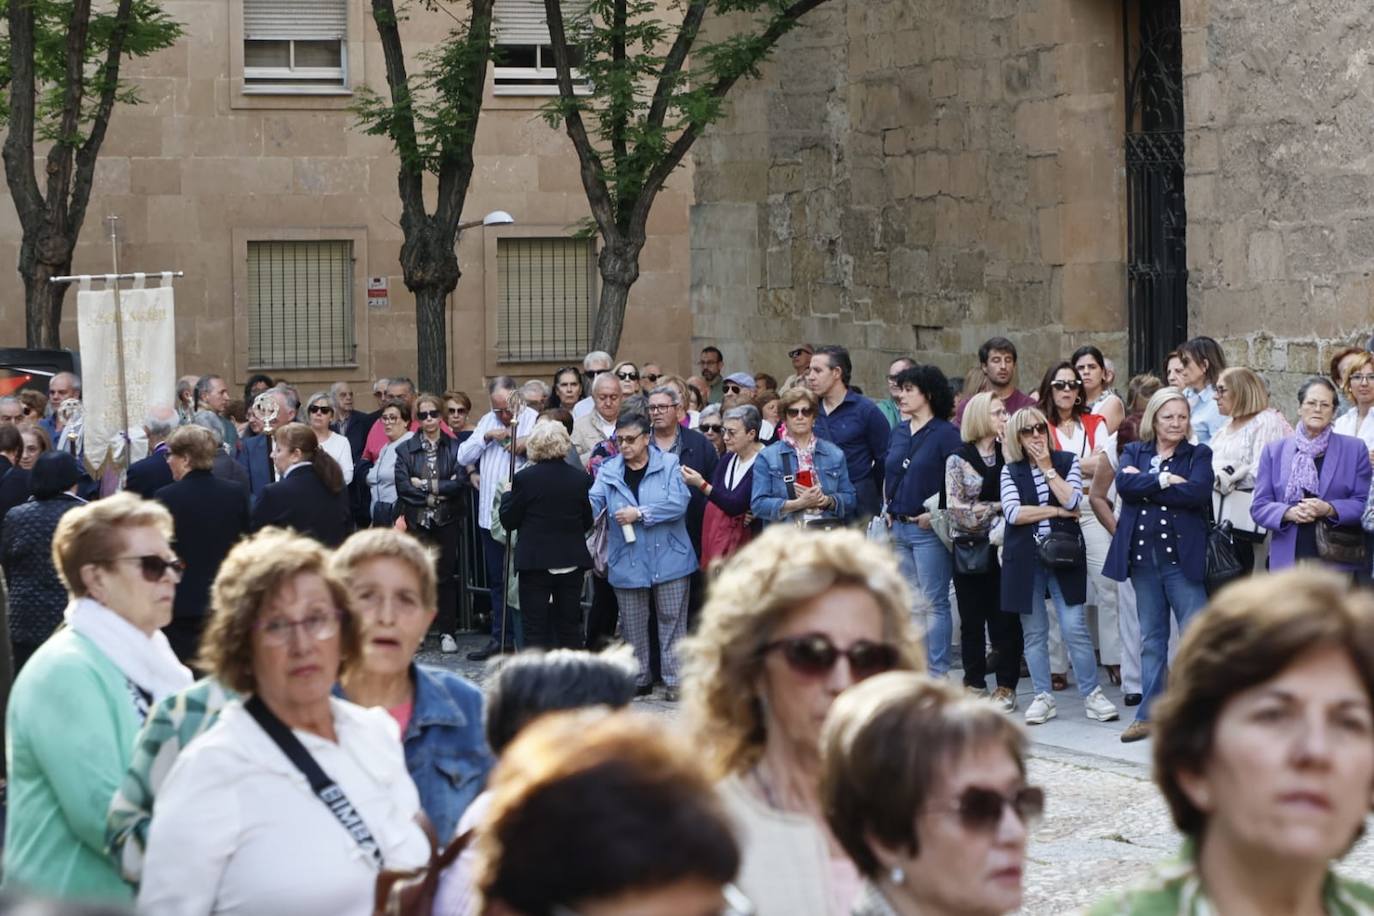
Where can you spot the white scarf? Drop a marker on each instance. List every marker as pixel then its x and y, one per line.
pixel 148 661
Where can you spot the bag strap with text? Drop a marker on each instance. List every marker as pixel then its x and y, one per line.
pixel 326 789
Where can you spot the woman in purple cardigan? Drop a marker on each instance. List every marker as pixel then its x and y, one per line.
pixel 728 524
pixel 1313 477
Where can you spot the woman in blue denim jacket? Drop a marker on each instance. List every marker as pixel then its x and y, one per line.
pixel 648 549
pixel 392 583
pixel 829 498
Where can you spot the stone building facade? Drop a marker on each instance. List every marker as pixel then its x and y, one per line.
pixel 214 164
pixel 911 177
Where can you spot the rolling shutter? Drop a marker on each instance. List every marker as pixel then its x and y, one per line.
pixel 295 19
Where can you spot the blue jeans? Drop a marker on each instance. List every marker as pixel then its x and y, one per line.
pixel 1073 626
pixel 1157 589
pixel 925 560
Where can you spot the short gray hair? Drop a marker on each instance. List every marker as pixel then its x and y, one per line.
pixel 208 419
pixel 710 410
pixel 548 441
pixel 605 378
pixel 670 391
pixel 535 388
pixel 596 356
pixel 501 383
pixel 160 421
pixel 326 396
pixel 749 417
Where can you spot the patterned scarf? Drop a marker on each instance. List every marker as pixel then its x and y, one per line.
pixel 1302 478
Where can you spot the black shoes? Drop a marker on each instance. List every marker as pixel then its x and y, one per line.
pixel 490 649
pixel 644 690
pixel 1132 699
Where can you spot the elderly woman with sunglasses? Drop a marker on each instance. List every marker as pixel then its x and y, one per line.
pixel 78 704
pixel 320 414
pixel 1264 751
pixel 926 790
pixel 793 619
pixel 802 478
pixel 1042 490
pixel 293 800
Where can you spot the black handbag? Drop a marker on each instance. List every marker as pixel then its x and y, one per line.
pixel 972 556
pixel 1061 549
pixel 1223 566
pixel 1341 544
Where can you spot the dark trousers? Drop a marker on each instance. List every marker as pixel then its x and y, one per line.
pixel 603 615
pixel 551 605
pixel 184 635
pixel 494 555
pixel 444 539
pixel 979 607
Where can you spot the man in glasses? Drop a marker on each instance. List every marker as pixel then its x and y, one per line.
pixel 148 475
pixel 888 405
pixel 712 364
pixel 997 357
pixel 599 424
pixel 852 422
pixel 595 363
pixel 649 376
pixel 801 365
pixel 739 388
pixel 488 451
pixel 691 448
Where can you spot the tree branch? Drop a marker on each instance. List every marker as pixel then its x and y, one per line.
pixel 455 173
pixel 109 92
pixel 676 59
pixel 592 171
pixel 401 122
pixel 619 115
pixel 18 151
pixel 62 152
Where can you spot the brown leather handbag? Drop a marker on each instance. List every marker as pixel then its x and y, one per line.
pixel 411 893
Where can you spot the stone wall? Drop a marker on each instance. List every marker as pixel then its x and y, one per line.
pixel 911 177
pixel 1280 195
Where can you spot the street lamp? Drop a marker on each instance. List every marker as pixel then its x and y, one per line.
pixel 494 218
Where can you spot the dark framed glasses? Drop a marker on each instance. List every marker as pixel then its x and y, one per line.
pixel 628 440
pixel 427 414
pixel 814 655
pixel 793 354
pixel 799 412
pixel 652 376
pixel 1038 429
pixel 710 428
pixel 1061 384
pixel 980 809
pixel 627 376
pixel 321 408
pixel 732 389
pixel 154 567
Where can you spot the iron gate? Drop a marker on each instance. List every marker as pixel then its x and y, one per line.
pixel 1156 213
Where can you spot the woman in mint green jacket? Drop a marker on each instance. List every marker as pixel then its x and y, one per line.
pixel 77 706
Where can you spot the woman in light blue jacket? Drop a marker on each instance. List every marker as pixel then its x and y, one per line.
pixel 648 549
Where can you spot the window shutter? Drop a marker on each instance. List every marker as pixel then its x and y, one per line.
pixel 300 304
pixel 522 22
pixel 295 19
pixel 545 298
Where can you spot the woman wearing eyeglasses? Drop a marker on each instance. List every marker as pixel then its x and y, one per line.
pixel 792 620
pixel 628 374
pixel 926 790
pixel 458 413
pixel 381 477
pixel 430 488
pixel 1085 435
pixel 710 423
pixel 802 478
pixel 1042 550
pixel 1264 751
pixel 78 704
pixel 293 800
pixel 320 413
pixel 1359 389
pixel 1160 545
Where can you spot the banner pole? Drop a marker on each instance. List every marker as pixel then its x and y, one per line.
pixel 119 341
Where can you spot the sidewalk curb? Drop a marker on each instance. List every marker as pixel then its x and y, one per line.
pixel 1090 761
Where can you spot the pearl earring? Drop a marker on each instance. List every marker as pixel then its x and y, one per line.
pixel 897 876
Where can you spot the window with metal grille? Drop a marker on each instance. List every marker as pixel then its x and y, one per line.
pixel 523 63
pixel 300 305
pixel 294 45
pixel 545 298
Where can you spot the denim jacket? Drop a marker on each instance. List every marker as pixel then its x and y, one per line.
pixel 662 551
pixel 770 490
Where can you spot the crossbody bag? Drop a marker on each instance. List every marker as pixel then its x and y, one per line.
pixel 789 480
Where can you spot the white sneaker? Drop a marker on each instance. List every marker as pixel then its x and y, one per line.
pixel 1041 710
pixel 1098 706
pixel 448 645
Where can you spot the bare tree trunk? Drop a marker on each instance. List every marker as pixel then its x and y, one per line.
pixel 431 272
pixel 619 267
pixel 43 304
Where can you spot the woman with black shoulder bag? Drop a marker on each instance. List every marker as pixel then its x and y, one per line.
pixel 973 478
pixel 1250 425
pixel 1043 549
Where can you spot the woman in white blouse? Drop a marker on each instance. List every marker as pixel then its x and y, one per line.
pixel 381 478
pixel 320 412
pixel 1236 447
pixel 237 827
pixel 1359 389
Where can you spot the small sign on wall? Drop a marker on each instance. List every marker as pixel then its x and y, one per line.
pixel 378 293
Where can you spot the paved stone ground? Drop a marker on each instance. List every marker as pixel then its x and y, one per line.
pixel 1105 823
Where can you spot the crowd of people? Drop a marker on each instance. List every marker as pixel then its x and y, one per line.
pixel 787 560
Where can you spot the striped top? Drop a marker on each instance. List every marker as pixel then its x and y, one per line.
pixel 1011 499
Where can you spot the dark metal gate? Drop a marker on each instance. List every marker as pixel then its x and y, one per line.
pixel 1156 215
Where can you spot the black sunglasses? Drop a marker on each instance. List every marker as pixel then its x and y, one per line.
pixel 652 377
pixel 709 428
pixel 1060 384
pixel 814 655
pixel 321 408
pixel 980 810
pixel 155 567
pixel 799 411
pixel 732 389
pixel 427 414
pixel 593 373
pixel 1040 428
pixel 627 376
pixel 793 354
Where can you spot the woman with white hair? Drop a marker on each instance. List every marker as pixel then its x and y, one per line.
pixel 548 505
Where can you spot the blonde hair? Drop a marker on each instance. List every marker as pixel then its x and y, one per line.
pixel 378 543
pixel 548 441
pixel 94 534
pixel 1021 421
pixel 754 592
pixel 1248 394
pixel 1155 405
pixel 248 579
pixel 796 395
pixel 978 423
pixel 1365 359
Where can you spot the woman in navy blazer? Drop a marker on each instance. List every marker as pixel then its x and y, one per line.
pixel 1165 484
pixel 1314 477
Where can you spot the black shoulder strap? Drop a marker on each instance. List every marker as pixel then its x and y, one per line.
pixel 789 474
pixel 915 441
pixel 326 789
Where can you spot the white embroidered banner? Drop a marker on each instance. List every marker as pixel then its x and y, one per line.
pixel 149 331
